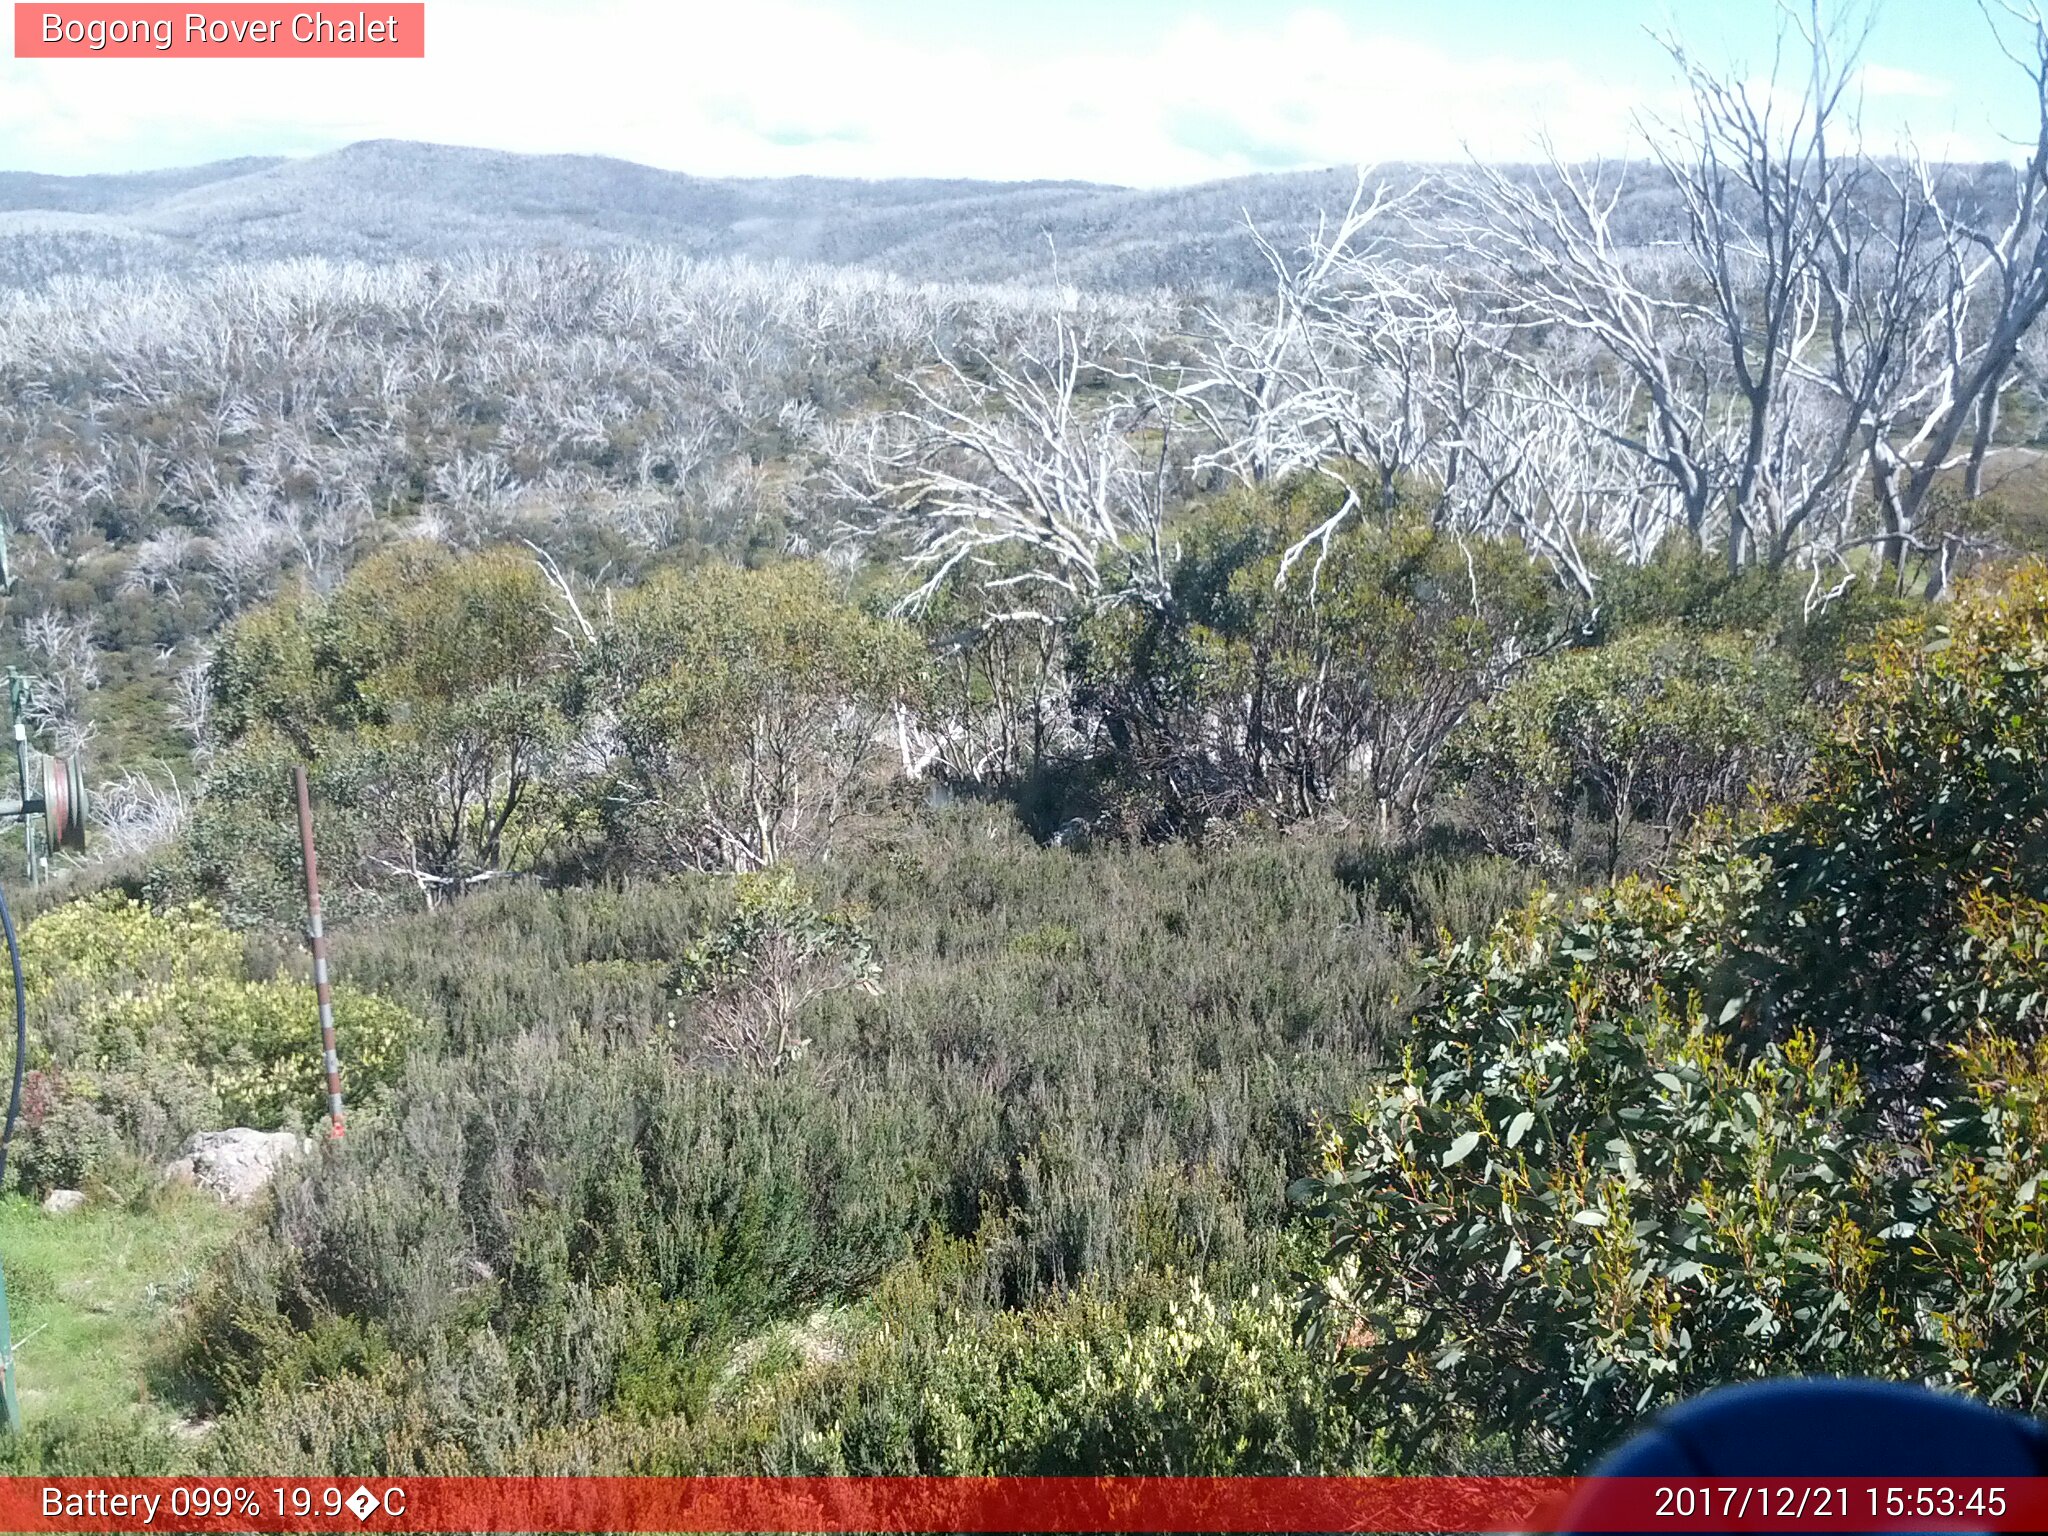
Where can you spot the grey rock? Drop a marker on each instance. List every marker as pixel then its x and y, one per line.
pixel 235 1165
pixel 62 1202
pixel 1073 834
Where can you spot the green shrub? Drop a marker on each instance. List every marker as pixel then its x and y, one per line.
pixel 1441 882
pixel 1927 802
pixel 1689 587
pixel 255 1043
pixel 749 707
pixel 64 1142
pixel 1571 1203
pixel 429 693
pixel 146 1029
pixel 615 1212
pixel 1977 1224
pixel 1656 728
pixel 111 942
pixel 1166 1381
pixel 1786 1116
pixel 1212 1388
pixel 1247 696
pixel 778 952
pixel 133 1444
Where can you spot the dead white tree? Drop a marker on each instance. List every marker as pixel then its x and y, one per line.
pixel 66 671
pixel 1251 381
pixel 1554 475
pixel 1011 479
pixel 1839 336
pixel 137 813
pixel 1362 361
pixel 191 706
pixel 1989 291
pixel 1766 186
pixel 1552 269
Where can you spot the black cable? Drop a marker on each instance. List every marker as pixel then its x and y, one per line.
pixel 20 1035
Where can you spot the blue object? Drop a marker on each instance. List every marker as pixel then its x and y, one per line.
pixel 1817 1427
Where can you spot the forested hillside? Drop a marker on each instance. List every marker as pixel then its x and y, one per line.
pixel 387 201
pixel 1377 869
pixel 390 200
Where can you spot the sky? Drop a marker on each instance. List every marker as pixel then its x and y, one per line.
pixel 1138 92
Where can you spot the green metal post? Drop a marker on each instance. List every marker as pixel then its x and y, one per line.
pixel 10 1401
pixel 17 696
pixel 8 1398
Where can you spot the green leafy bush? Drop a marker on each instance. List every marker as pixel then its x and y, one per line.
pixel 1571 1203
pixel 1247 696
pixel 1655 728
pixel 1784 1116
pixel 146 1028
pixel 749 707
pixel 256 1043
pixel 109 942
pixel 1976 1223
pixel 779 951
pixel 1927 802
pixel 429 694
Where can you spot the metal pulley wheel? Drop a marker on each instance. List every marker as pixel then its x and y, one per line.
pixel 64 803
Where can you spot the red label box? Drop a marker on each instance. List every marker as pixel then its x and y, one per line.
pixel 930 1506
pixel 376 30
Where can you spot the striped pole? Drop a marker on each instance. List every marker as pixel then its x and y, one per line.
pixel 323 987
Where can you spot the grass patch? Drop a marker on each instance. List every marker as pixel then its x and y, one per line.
pixel 92 1297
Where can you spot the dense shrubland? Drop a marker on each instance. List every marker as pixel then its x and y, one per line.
pixel 1052 1094
pixel 959 1152
pixel 471 720
pixel 880 830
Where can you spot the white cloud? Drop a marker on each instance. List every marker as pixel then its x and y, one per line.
pixel 785 87
pixel 1887 80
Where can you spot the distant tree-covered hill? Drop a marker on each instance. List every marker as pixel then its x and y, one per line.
pixel 393 199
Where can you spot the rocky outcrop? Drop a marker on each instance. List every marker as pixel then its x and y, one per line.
pixel 235 1165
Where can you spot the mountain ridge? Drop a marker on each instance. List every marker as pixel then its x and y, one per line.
pixel 384 199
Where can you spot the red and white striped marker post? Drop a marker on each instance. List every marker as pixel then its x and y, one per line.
pixel 323 986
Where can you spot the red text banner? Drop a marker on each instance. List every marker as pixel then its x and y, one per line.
pixel 1050 1504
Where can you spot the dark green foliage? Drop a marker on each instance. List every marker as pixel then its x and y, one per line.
pixel 1928 802
pixel 1248 696
pixel 427 694
pixel 1693 589
pixel 1630 1152
pixel 1570 1204
pixel 241 849
pixel 1653 729
pixel 1577 1202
